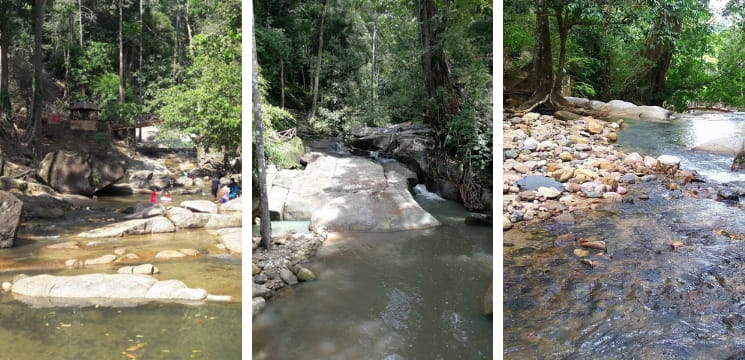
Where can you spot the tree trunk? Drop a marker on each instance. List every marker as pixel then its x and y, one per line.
pixel 435 67
pixel 316 79
pixel 33 127
pixel 281 82
pixel 544 90
pixel 139 78
pixel 266 224
pixel 122 90
pixel 188 30
pixel 4 74
pixel 372 65
pixel 80 22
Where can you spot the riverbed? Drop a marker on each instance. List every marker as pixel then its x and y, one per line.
pixel 152 331
pixel 642 298
pixel 400 295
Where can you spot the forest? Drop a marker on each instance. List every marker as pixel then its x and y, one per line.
pixel 677 54
pixel 327 67
pixel 178 60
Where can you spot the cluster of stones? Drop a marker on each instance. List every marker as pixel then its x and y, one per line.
pixel 274 270
pixel 565 162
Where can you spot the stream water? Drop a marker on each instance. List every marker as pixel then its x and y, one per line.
pixel 392 296
pixel 641 299
pixel 152 331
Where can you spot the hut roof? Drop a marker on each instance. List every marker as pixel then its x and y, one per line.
pixel 84 105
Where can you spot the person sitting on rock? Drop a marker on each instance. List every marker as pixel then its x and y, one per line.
pixel 166 197
pixel 234 189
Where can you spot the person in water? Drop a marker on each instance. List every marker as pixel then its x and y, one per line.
pixel 225 195
pixel 166 196
pixel 215 186
pixel 153 196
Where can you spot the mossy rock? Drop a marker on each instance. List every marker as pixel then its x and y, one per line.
pixel 286 153
pixel 739 163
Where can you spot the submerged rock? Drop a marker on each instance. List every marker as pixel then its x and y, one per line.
pixel 158 224
pixel 101 289
pixel 258 304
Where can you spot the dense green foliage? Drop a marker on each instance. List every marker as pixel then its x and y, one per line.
pixel 371 70
pixel 180 60
pixel 678 53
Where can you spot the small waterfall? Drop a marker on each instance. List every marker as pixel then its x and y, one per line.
pixel 421 190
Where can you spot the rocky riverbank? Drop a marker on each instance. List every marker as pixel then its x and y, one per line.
pixel 281 267
pixel 556 165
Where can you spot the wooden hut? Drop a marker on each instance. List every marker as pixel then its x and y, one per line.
pixel 84 116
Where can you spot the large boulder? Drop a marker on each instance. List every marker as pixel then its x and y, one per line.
pixel 185 219
pixel 76 173
pixel 727 145
pixel 644 113
pixel 154 225
pixel 220 221
pixel 11 210
pixel 328 178
pixel 231 238
pixel 101 289
pixel 373 211
pixel 202 206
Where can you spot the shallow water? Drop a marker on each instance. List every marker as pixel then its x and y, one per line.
pixel 680 136
pixel 167 330
pixel 403 295
pixel 641 299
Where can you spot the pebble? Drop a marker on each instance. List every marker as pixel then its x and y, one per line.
pixel 526 195
pixel 304 274
pixel 599 245
pixel 643 197
pixel 255 269
pixel 581 252
pixel 549 192
pixel 677 245
pixel 287 276
pixel 628 179
pixel 565 219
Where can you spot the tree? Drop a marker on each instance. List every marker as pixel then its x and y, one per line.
pixel 438 81
pixel 266 224
pixel 317 76
pixel 34 124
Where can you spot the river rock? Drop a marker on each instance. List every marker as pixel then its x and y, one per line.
pixel 615 105
pixel 169 254
pixel 668 163
pixel 328 178
pixel 220 221
pixel 305 274
pixel 373 211
pixel 565 219
pixel 231 239
pixel 101 289
pixel 478 220
pixel 11 210
pixel 506 223
pixel 200 206
pixel 185 219
pixel 633 158
pixel 533 182
pixel 64 245
pixel 144 211
pixel 566 115
pixel 232 206
pixel 77 173
pixel 565 156
pixel 255 269
pixel 487 301
pixel 565 239
pixel 287 276
pixel 628 179
pixel 549 192
pixel 258 290
pixel 728 145
pixel 158 224
pixel 145 269
pixel 101 260
pixel 258 304
pixel 613 196
pixel 594 126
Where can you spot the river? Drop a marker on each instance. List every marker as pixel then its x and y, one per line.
pixel 153 331
pixel 392 296
pixel 641 299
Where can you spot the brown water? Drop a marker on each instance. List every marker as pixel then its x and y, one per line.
pixel 641 299
pixel 153 331
pixel 404 295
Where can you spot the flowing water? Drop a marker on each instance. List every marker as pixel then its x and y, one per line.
pixel 641 299
pixel 153 331
pixel 403 295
